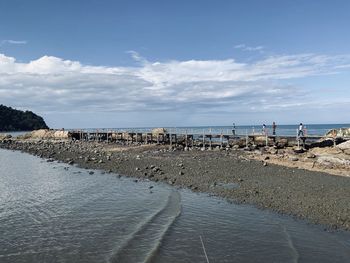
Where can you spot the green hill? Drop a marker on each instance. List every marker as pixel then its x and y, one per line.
pixel 16 120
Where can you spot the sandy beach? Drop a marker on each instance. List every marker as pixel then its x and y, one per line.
pixel 232 174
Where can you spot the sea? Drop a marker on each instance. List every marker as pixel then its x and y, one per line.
pixel 53 212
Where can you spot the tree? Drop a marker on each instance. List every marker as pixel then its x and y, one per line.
pixel 16 120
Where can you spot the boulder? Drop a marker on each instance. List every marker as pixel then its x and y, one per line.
pixel 345 147
pixel 341 132
pixel 323 143
pixel 5 137
pixel 157 131
pixel 281 143
pixel 46 134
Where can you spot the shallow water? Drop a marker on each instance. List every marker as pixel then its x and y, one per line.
pixel 49 213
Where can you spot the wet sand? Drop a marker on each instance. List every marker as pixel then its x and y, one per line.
pixel 316 196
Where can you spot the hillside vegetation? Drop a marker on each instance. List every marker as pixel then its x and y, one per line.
pixel 16 120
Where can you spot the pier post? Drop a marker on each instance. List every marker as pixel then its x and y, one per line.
pixel 246 138
pixel 203 148
pixel 186 141
pixel 221 140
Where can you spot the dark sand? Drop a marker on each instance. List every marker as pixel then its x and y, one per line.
pixel 318 197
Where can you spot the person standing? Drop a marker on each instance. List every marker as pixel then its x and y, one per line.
pixel 264 129
pixel 274 126
pixel 301 130
pixel 234 129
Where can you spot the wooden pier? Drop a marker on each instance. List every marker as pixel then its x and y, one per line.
pixel 201 139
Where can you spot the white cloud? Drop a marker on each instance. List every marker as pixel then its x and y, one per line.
pixel 248 48
pixel 51 84
pixel 13 42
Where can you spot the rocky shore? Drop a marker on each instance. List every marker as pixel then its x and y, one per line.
pixel 234 174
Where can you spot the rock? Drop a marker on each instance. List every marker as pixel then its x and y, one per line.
pixel 323 143
pixel 293 159
pixel 282 143
pixel 158 131
pixel 332 160
pixel 265 164
pixel 310 155
pixel 137 169
pixel 273 151
pixel 101 161
pixel 341 132
pixel 181 173
pixel 298 150
pixel 46 134
pixel 266 157
pixel 71 162
pixel 91 172
pixel 138 157
pixel 345 147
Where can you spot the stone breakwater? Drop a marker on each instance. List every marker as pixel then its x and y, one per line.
pixel 319 197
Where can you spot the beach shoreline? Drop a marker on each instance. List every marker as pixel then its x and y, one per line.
pixel 232 174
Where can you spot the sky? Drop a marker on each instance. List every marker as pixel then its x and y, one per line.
pixel 104 63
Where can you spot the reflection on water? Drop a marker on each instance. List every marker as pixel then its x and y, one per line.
pixel 49 214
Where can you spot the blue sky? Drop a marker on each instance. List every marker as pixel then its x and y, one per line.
pixel 176 63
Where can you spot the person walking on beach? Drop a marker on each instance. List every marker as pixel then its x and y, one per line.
pixel 234 129
pixel 264 129
pixel 301 130
pixel 274 126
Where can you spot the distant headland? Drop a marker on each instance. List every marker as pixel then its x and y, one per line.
pixel 17 120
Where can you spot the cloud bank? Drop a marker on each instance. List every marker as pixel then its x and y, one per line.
pixel 51 84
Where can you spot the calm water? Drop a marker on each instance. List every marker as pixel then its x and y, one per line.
pixel 49 213
pixel 312 129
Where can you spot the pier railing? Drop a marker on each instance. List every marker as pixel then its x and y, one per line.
pixel 190 137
